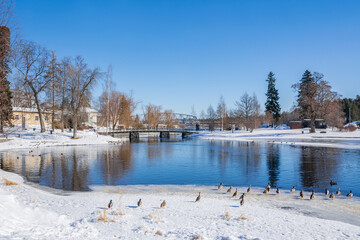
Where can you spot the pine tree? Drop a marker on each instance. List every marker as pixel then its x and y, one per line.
pixel 5 94
pixel 272 103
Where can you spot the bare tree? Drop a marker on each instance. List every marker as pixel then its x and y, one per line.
pixel 81 79
pixel 63 83
pixel 152 115
pixel 31 61
pixel 169 119
pixel 248 111
pixel 211 117
pixel 222 113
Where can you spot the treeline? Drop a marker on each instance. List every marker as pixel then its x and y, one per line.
pixel 315 99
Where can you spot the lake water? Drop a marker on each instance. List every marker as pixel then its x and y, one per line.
pixel 190 161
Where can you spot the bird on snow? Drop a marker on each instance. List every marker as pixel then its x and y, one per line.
pixel 293 189
pixel 332 195
pixel 338 192
pixel 139 203
pixel 163 204
pixel 266 191
pixel 242 201
pixel 198 198
pixel 350 194
pixel 220 186
pixel 301 194
pixel 333 183
pixel 268 187
pixel 326 192
pixel 229 190
pixel 110 204
pixel 249 188
pixel 235 193
pixel 278 191
pixel 242 196
pixel 312 196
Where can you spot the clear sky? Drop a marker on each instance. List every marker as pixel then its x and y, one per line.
pixel 179 53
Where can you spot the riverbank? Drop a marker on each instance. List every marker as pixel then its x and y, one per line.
pixel 322 138
pixel 32 213
pixel 18 139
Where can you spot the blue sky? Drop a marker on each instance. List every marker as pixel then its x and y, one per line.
pixel 179 53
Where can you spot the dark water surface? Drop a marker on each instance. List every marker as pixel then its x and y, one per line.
pixel 193 161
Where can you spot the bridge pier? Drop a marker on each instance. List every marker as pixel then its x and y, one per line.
pixel 134 136
pixel 164 134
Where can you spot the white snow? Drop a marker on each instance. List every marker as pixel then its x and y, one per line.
pixel 332 138
pixel 29 139
pixel 32 213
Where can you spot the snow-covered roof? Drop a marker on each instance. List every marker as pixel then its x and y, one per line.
pixel 90 110
pixel 23 109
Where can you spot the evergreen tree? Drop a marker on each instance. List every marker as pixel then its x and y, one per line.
pixel 272 103
pixel 5 94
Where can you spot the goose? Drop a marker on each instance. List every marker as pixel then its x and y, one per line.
pixel 332 195
pixel 242 201
pixel 139 203
pixel 326 192
pixel 333 183
pixel 293 189
pixel 220 186
pixel 312 196
pixel 268 187
pixel 338 192
pixel 198 198
pixel 350 194
pixel 301 194
pixel 266 191
pixel 229 190
pixel 163 204
pixel 235 193
pixel 242 196
pixel 278 191
pixel 249 188
pixel 110 204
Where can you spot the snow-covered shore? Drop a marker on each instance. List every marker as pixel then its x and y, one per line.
pixel 31 139
pixel 336 139
pixel 29 212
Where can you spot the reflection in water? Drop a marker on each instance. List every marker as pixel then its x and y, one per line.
pixel 273 163
pixel 187 162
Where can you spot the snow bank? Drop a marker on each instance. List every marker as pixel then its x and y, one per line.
pixel 30 139
pixel 322 138
pixel 29 212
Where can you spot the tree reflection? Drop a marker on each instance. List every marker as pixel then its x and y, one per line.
pixel 273 163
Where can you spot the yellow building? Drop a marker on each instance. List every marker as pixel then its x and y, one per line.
pixel 29 117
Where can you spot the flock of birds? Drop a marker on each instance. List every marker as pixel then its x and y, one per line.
pixel 266 191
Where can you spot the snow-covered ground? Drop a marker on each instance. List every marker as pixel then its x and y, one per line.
pixel 28 212
pixel 331 138
pixel 29 139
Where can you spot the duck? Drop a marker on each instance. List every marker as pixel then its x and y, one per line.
pixel 333 183
pixel 266 191
pixel 350 194
pixel 139 203
pixel 163 204
pixel 235 193
pixel 332 195
pixel 338 192
pixel 242 196
pixel 326 192
pixel 220 186
pixel 293 189
pixel 249 188
pixel 312 196
pixel 278 191
pixel 198 198
pixel 229 190
pixel 110 204
pixel 268 187
pixel 301 194
pixel 242 201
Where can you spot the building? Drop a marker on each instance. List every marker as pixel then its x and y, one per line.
pixel 29 117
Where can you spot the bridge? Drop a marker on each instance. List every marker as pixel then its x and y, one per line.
pixel 134 135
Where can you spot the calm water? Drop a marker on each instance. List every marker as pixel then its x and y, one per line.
pixel 191 161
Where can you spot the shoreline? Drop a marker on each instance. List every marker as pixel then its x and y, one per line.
pixel 76 214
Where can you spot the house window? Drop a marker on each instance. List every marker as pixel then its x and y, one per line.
pixel 16 117
pixel 36 118
pixel 46 118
